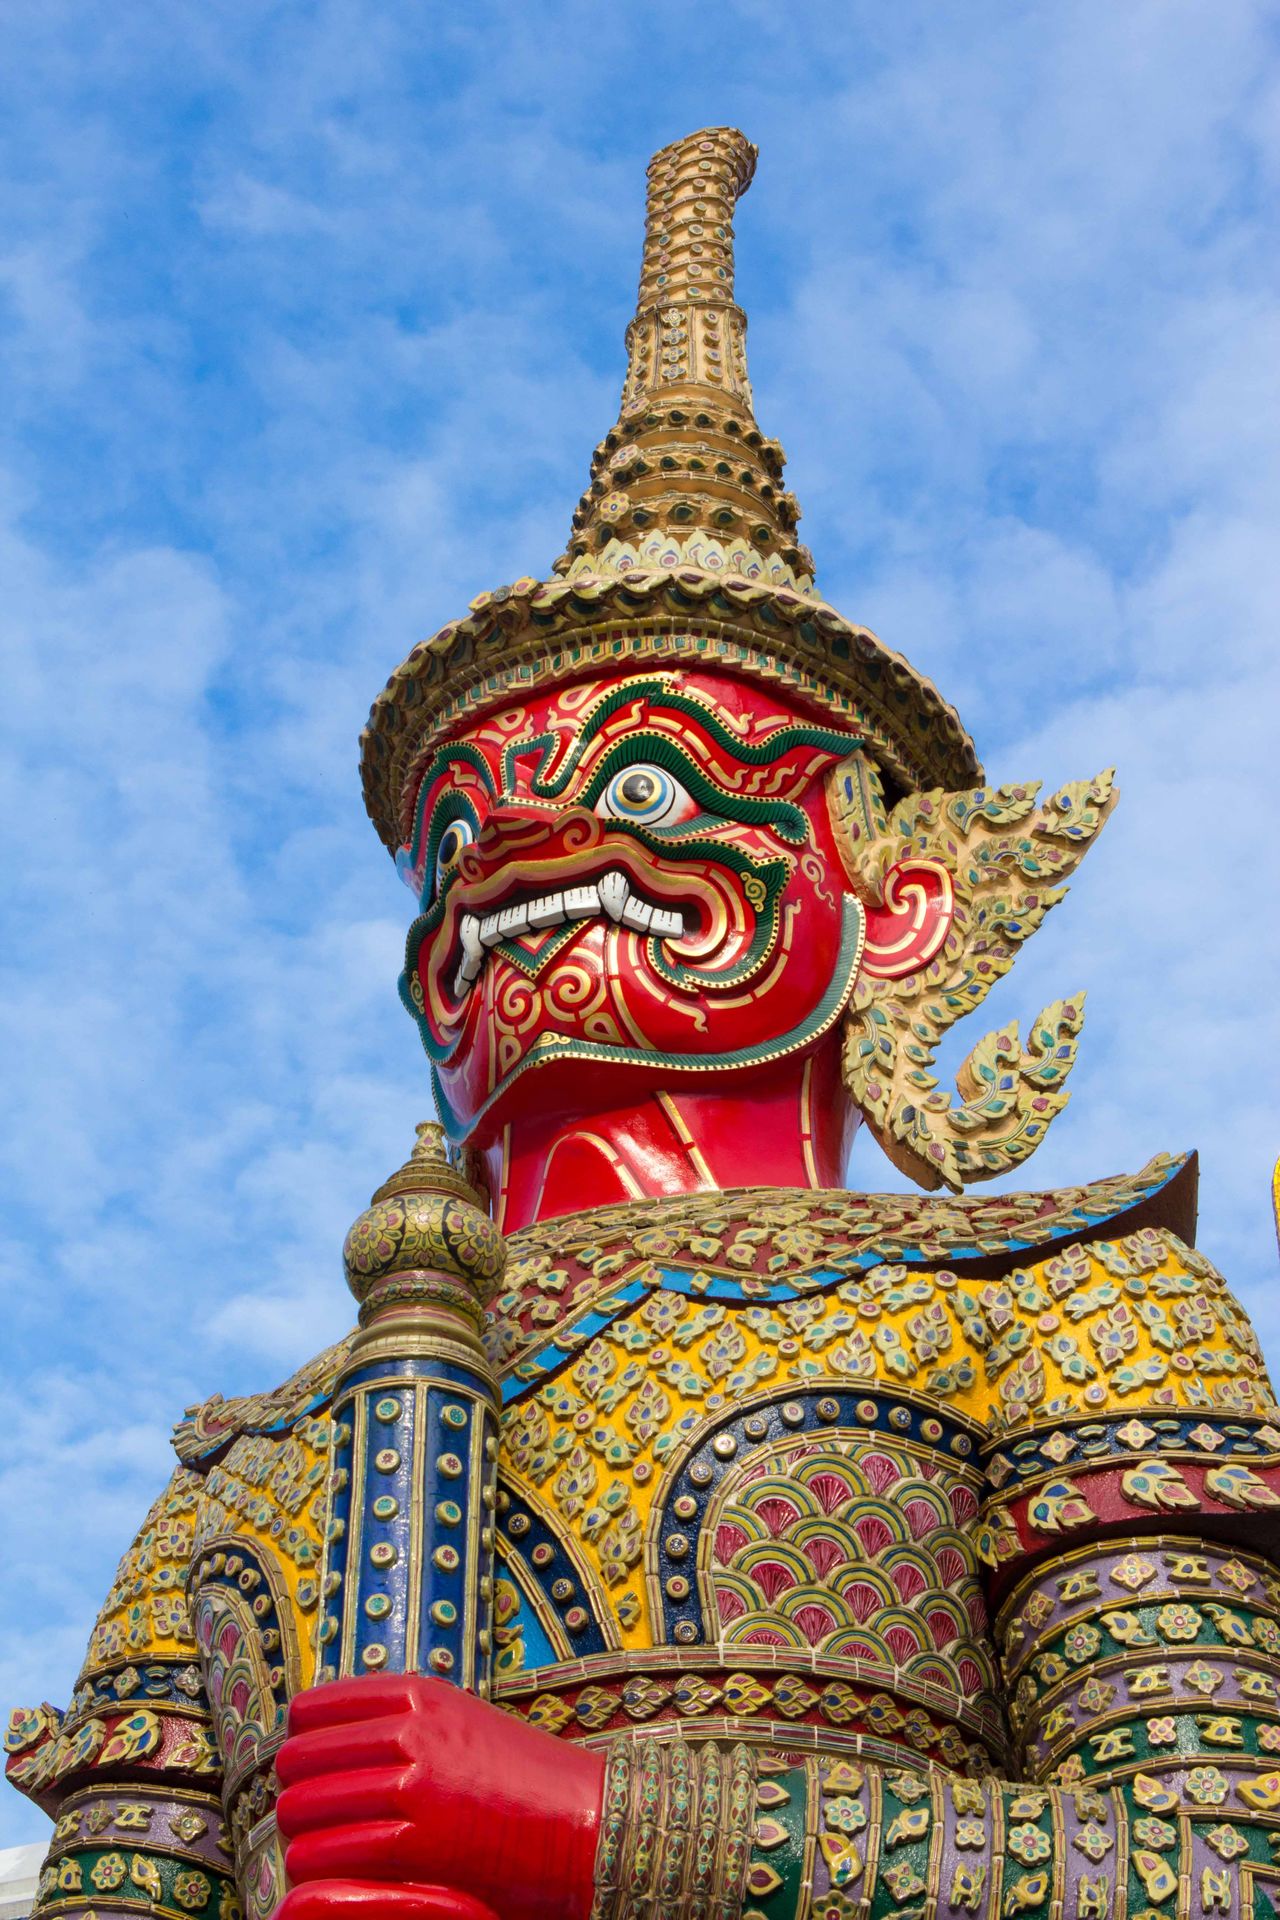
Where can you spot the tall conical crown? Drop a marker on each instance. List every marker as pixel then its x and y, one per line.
pixel 686 475
pixel 683 549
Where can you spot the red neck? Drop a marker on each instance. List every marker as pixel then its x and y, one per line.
pixel 790 1125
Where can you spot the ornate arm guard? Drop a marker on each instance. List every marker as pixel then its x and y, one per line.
pixel 137 1851
pixel 131 1834
pixel 675 1836
pixel 1151 1668
pixel 134 1783
pixel 1146 1697
pixel 708 1836
pixel 131 1772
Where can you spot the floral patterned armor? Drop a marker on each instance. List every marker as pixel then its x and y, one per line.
pixel 680 1534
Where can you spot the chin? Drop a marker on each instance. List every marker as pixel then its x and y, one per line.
pixel 524 1050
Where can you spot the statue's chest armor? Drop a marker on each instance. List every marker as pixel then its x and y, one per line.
pixel 751 1516
pixel 707 1523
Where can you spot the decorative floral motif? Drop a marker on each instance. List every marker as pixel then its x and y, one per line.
pixel 1207 1786
pixel 1134 1571
pixel 902 1880
pixel 110 1872
pixel 1179 1622
pixel 1081 1643
pixel 1029 1845
pixel 843 1815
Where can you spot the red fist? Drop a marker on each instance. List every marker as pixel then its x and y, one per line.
pixel 407 1799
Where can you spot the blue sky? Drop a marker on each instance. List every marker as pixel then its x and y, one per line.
pixel 310 317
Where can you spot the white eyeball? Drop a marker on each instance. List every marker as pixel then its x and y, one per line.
pixel 644 795
pixel 458 834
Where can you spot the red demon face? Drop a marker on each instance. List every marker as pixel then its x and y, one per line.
pixel 624 882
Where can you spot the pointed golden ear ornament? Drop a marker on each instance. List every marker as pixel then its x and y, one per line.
pixel 953 883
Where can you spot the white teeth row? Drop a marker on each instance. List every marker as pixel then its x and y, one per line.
pixel 611 895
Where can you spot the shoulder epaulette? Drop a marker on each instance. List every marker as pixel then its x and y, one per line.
pixel 206 1430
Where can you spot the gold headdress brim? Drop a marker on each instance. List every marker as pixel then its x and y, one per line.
pixel 542 633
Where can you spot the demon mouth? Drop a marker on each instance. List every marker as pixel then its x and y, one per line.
pixel 610 896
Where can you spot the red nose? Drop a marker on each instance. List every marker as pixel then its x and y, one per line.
pixel 517 826
pixel 530 830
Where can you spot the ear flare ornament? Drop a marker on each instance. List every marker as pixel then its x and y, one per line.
pixel 954 883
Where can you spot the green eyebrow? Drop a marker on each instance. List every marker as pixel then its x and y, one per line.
pixel 658 749
pixel 446 756
pixel 454 805
pixel 548 786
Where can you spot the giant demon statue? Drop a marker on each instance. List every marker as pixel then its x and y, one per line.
pixel 680 1534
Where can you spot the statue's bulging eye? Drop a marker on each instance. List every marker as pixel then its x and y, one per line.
pixel 457 835
pixel 647 796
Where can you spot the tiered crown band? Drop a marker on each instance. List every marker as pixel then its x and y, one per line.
pixel 686 472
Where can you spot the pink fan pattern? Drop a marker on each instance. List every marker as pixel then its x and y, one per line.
pixel 853 1548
